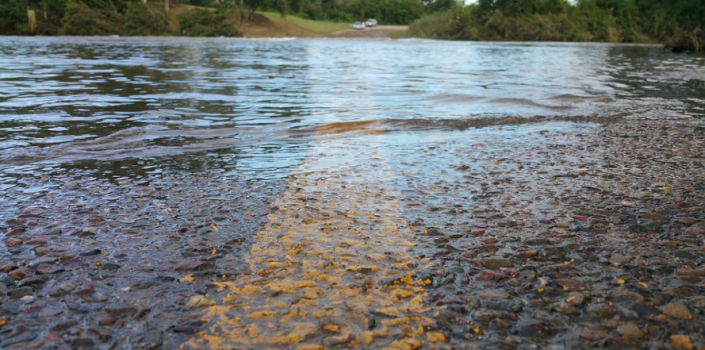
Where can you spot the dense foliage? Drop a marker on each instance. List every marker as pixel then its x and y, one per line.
pixel 137 17
pixel 140 20
pixel 561 20
pixel 548 20
pixel 207 23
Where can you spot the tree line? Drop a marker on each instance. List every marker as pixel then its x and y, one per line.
pixel 561 20
pixel 203 17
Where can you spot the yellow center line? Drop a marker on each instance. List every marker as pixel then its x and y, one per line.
pixel 332 268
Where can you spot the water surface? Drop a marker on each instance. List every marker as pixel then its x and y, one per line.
pixel 252 106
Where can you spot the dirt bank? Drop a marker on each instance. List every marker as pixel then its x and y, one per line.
pixel 261 26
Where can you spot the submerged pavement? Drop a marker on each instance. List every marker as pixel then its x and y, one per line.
pixel 547 235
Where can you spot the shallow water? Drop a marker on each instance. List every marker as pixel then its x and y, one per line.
pixel 253 106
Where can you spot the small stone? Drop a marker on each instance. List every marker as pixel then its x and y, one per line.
pixel 6 280
pixel 199 300
pixel 63 326
pixel 626 313
pixel 31 281
pixel 46 269
pixel 18 274
pixel 25 337
pixel 620 259
pixel 512 305
pixel 195 265
pixel 490 276
pixel 152 339
pixel 11 242
pixel 20 292
pixel 92 251
pixel 82 343
pixel 106 321
pixel 684 254
pixel 84 290
pixel 567 309
pixel 37 240
pixel 189 327
pixel 630 330
pixel 677 310
pixel 484 315
pixel 12 307
pixel 8 267
pixel 657 217
pixel 345 340
pixel 681 341
pixel 533 328
pixel 497 263
pixel 644 310
pixel 527 275
pixel 118 309
pixel 575 298
pixel 43 260
pixel 572 285
pixel 40 251
pixel 686 221
pixel 599 311
pixel 62 288
pixel 698 229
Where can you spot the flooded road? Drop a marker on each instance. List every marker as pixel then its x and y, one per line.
pixel 310 194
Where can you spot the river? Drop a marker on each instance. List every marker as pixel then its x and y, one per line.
pixel 87 101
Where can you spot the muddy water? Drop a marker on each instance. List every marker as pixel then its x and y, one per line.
pixel 317 193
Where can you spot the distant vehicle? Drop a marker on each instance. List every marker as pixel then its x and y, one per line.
pixel 371 22
pixel 357 25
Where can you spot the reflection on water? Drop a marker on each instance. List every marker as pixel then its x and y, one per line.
pixel 69 100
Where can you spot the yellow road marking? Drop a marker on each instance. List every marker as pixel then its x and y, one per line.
pixel 333 267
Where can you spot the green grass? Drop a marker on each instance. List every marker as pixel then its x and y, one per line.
pixel 399 34
pixel 318 27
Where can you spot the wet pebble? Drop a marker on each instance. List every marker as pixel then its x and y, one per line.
pixel 152 339
pixel 512 305
pixel 11 307
pixel 599 311
pixel 644 310
pixel 620 259
pixel 20 292
pixel 496 263
pixel 62 288
pixel 681 341
pixel 18 274
pixel 677 310
pixel 118 309
pixel 91 252
pixel 46 269
pixel 29 336
pixel 484 315
pixel 630 330
pixel 533 328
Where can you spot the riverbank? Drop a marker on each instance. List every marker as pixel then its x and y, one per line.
pixel 586 234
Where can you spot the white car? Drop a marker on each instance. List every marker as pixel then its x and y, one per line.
pixel 371 22
pixel 357 25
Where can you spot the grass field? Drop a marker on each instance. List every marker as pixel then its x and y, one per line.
pixel 318 27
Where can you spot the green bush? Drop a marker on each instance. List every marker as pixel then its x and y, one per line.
pixel 207 23
pixel 140 20
pixel 80 19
